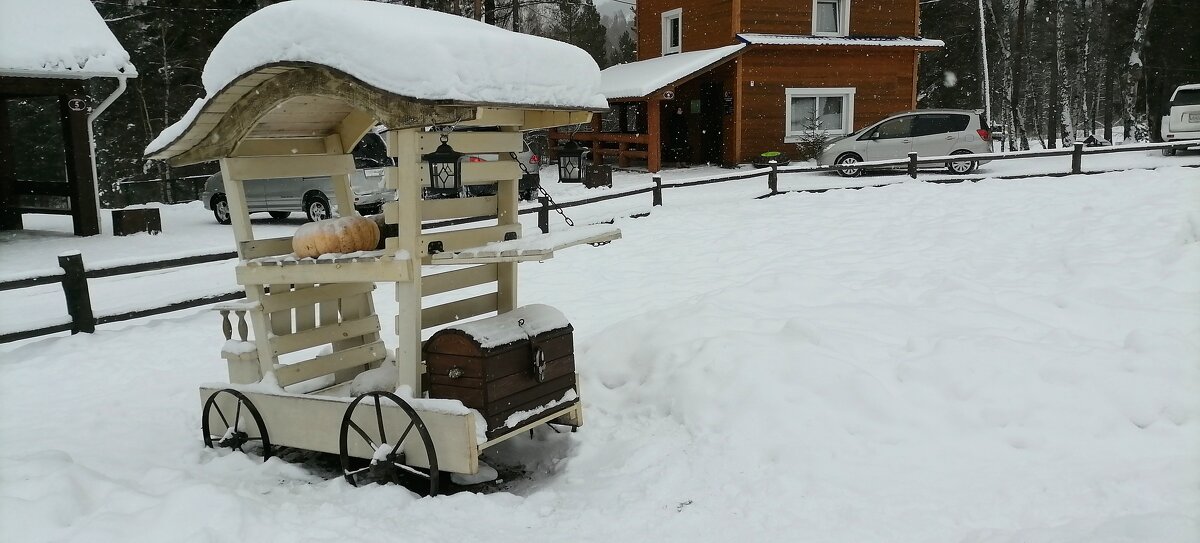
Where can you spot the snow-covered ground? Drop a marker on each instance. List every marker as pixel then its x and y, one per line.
pixel 1003 361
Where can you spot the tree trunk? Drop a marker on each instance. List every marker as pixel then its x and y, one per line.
pixel 516 15
pixel 1133 70
pixel 1066 101
pixel 1016 102
pixel 1054 93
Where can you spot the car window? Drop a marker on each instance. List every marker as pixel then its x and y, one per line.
pixel 939 123
pixel 895 128
pixel 371 152
pixel 1189 97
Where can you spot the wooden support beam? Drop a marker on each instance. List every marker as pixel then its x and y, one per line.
pixel 654 129
pixel 243 168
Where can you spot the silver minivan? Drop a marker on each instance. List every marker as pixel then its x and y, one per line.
pixel 931 132
pixel 312 196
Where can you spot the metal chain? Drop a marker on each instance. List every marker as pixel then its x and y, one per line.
pixel 543 191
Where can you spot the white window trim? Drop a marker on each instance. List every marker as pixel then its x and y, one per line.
pixel 847 109
pixel 843 19
pixel 667 16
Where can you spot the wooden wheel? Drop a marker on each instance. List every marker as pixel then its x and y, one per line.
pixel 388 461
pixel 232 434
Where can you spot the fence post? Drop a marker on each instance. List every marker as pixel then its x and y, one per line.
pixel 1077 158
pixel 912 165
pixel 544 214
pixel 657 194
pixel 75 288
pixel 773 178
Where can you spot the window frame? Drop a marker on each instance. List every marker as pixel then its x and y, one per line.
pixel 667 17
pixel 847 95
pixel 843 16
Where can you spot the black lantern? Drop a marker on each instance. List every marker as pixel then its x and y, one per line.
pixel 445 171
pixel 570 162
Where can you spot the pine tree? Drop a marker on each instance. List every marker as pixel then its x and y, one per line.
pixel 579 24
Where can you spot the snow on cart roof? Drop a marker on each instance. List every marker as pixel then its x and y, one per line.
pixel 637 79
pixel 418 55
pixel 58 38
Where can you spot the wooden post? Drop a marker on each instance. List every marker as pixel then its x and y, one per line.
pixel 544 214
pixel 1077 158
pixel 773 178
pixel 10 217
pixel 75 288
pixel 657 194
pixel 85 212
pixel 912 165
pixel 654 136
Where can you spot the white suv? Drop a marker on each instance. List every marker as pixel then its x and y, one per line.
pixel 932 132
pixel 1182 121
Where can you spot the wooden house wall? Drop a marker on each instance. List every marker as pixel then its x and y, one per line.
pixel 867 17
pixel 706 24
pixel 884 80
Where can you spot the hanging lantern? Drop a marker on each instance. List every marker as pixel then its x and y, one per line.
pixel 570 162
pixel 445 171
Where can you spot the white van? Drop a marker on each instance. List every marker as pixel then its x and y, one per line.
pixel 1182 121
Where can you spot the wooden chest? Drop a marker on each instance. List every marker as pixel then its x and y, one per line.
pixel 515 363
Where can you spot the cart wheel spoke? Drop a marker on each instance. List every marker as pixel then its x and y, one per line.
pixel 379 418
pixel 400 442
pixel 363 434
pixel 221 414
pixel 411 470
pixel 237 415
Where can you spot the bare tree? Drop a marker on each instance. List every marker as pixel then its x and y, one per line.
pixel 1135 130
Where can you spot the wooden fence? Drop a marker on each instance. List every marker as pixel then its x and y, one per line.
pixel 74 276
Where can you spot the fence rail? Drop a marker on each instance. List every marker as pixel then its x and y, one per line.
pixel 74 276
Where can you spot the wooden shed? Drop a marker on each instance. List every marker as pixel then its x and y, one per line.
pixel 49 51
pixel 721 81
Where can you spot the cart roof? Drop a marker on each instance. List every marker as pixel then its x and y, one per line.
pixel 58 38
pixel 391 59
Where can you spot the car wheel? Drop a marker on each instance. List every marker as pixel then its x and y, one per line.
pixel 1168 151
pixel 279 215
pixel 846 160
pixel 220 208
pixel 961 167
pixel 317 207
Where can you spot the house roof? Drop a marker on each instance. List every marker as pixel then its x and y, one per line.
pixel 59 38
pixel 637 79
pixel 795 39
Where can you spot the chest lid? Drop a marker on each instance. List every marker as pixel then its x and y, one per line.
pixel 485 337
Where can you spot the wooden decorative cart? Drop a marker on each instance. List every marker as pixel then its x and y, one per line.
pixel 309 370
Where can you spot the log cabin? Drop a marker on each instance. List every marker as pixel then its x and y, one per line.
pixel 722 81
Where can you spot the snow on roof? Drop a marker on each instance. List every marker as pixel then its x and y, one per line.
pixel 637 79
pixel 793 39
pixel 58 38
pixel 411 52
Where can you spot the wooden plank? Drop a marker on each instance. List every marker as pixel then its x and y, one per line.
pixel 288 374
pixel 383 269
pixel 323 335
pixel 455 311
pixel 322 293
pixel 491 116
pixel 457 279
pixel 280 147
pixel 306 317
pixel 281 321
pixel 405 178
pixel 474 142
pixel 457 240
pixel 454 208
pixel 311 422
pixel 538 119
pixel 481 173
pixel 239 212
pixel 570 413
pixel 265 247
pixel 243 168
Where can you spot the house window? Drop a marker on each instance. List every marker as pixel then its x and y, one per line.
pixel 672 31
pixel 831 17
pixel 822 110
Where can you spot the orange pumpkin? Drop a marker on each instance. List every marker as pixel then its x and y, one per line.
pixel 340 235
